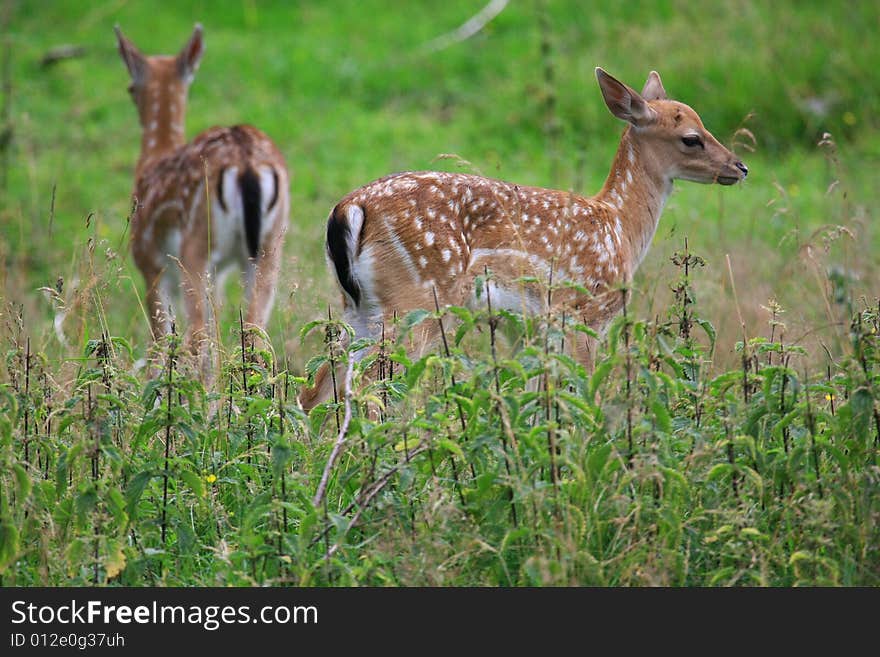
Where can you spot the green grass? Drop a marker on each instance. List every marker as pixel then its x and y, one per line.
pixel 692 477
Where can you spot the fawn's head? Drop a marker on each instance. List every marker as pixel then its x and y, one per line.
pixel 159 84
pixel 670 136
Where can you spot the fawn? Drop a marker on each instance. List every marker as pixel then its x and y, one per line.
pixel 395 241
pixel 203 208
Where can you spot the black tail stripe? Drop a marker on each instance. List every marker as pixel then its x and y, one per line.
pixel 220 190
pixel 275 193
pixel 250 196
pixel 337 249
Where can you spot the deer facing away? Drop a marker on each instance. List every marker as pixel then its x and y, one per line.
pixel 394 241
pixel 203 208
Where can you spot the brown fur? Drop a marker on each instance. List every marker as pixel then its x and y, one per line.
pixel 430 230
pixel 175 186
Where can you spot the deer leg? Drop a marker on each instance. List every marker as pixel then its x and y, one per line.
pixel 158 302
pixel 262 277
pixel 158 309
pixel 197 339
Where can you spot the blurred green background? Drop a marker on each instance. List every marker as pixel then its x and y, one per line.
pixel 352 90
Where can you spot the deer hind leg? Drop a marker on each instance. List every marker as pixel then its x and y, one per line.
pixel 158 307
pixel 585 350
pixel 261 277
pixel 196 299
pixel 159 304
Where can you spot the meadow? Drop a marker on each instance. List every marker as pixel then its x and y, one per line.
pixel 729 433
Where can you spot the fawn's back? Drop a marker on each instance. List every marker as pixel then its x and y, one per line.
pixel 203 208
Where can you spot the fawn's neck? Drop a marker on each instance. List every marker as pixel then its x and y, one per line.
pixel 162 116
pixel 636 191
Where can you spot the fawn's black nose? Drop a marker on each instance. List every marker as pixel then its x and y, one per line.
pixel 742 167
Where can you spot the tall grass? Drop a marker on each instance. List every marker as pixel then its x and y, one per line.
pixel 728 434
pixel 478 464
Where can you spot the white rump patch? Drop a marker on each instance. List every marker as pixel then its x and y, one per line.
pixel 362 271
pixel 355 216
pixel 267 191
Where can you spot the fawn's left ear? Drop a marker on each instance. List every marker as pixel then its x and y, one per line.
pixel 653 89
pixel 189 58
pixel 623 101
pixel 134 60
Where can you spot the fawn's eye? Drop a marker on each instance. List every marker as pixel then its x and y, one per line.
pixel 691 141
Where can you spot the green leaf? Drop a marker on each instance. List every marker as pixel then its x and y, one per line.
pixel 310 326
pixel 86 501
pixel 22 480
pixel 597 460
pixel 599 375
pixel 73 553
pixel 317 416
pixel 135 489
pixel 719 470
pixel 414 318
pixel 114 558
pixel 661 414
pixel 862 404
pixel 116 505
pixel 414 372
pixel 314 364
pixel 281 455
pixel 450 445
pixel 8 543
pixel 194 481
pixel 710 332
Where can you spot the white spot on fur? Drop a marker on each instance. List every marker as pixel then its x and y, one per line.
pixel 447 255
pixel 429 238
pixel 608 244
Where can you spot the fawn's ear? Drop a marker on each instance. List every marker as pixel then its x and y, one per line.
pixel 653 89
pixel 189 58
pixel 134 60
pixel 623 102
